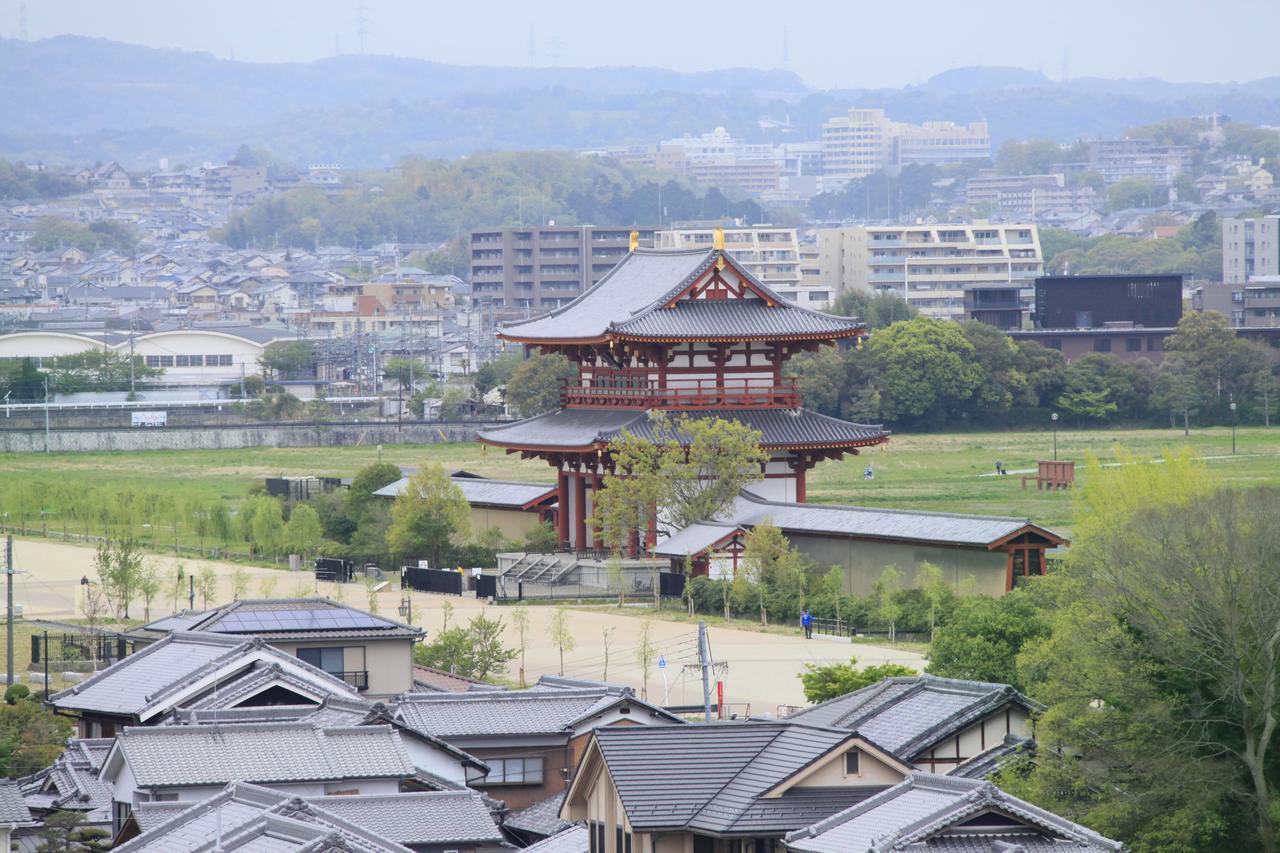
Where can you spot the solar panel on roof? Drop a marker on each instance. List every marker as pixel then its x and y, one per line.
pixel 298 619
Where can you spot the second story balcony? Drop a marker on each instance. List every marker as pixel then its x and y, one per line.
pixel 703 394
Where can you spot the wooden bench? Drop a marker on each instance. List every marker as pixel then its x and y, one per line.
pixel 1053 474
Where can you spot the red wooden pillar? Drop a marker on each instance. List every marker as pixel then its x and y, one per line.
pixel 562 510
pixel 597 483
pixel 1008 581
pixel 800 485
pixel 580 510
pixel 633 543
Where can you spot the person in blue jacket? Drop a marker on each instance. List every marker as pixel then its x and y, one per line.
pixel 807 621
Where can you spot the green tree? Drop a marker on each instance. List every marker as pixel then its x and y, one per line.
pixel 65 832
pixel 877 310
pixel 149 586
pixel 926 370
pixel 119 565
pixel 1134 192
pixel 560 633
pixel 97 370
pixel 646 653
pixel 937 593
pixel 534 386
pixel 31 737
pixel 405 371
pixel 542 538
pixel 288 359
pixel 1222 366
pixel 496 373
pixel 206 585
pixel 888 599
pixel 520 623
pixel 367 481
pixel 303 533
pixel 690 468
pixel 827 682
pixel 475 651
pixel 774 570
pixel 264 525
pixel 428 516
pixel 1030 157
pixel 1177 392
pixel 983 636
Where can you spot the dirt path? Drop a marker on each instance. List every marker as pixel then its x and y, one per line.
pixel 761 669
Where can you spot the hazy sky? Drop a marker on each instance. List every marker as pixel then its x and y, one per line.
pixel 849 44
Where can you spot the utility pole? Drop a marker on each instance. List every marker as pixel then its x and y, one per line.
pixel 133 328
pixel 8 629
pixel 46 415
pixel 704 661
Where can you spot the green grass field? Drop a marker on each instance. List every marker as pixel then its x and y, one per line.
pixel 942 471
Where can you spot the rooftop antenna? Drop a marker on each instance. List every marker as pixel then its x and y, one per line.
pixel 362 24
pixel 22 20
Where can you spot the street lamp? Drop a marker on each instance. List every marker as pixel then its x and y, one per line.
pixel 406 609
pixel 1233 427
pixel 1054 419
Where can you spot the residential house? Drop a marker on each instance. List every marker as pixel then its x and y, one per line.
pixel 940 725
pixel 943 814
pixel 427 822
pixel 182 668
pixel 720 787
pixel 371 652
pixel 13 811
pixel 530 739
pixel 71 783
pixel 193 763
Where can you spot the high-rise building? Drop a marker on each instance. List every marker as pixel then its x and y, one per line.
pixel 519 272
pixel 1117 159
pixel 769 253
pixel 865 141
pixel 981 271
pixel 1250 247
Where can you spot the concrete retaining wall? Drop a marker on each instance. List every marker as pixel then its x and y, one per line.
pixel 212 438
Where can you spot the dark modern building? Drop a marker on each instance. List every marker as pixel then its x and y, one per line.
pixel 1107 301
pixel 523 272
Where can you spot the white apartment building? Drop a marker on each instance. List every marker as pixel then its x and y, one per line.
pixel 718 158
pixel 1250 247
pixel 865 141
pixel 950 272
pixel 771 254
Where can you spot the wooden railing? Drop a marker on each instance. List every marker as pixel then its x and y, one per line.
pixel 706 395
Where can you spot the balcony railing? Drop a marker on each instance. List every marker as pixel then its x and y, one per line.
pixel 357 678
pixel 706 395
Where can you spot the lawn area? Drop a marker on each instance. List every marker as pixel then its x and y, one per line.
pixel 936 471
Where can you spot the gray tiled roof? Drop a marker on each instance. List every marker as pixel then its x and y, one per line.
pixel 440 817
pixel 540 819
pixel 484 492
pixel 724 769
pixel 629 301
pixel 581 428
pixel 260 752
pixel 694 539
pixel 922 809
pixel 72 781
pixel 13 808
pixel 236 619
pixel 523 712
pixel 129 686
pixel 571 840
pixel 910 525
pixel 908 715
pixel 734 319
pixel 428 679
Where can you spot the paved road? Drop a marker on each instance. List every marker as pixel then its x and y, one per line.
pixel 759 669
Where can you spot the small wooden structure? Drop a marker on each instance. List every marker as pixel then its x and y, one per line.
pixel 1054 474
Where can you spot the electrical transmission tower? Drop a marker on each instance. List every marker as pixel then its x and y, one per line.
pixel 362 24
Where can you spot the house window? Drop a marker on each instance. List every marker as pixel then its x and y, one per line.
pixel 119 814
pixel 595 837
pixel 853 763
pixel 1102 344
pixel 512 771
pixel 1133 344
pixel 328 658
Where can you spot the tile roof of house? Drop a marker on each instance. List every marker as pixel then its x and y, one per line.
pixel 724 770
pixel 186 666
pixel 878 523
pixel 583 428
pixel 512 712
pixel 629 301
pixel 13 808
pixel 540 819
pixel 504 494
pixel 944 813
pixel 909 714
pixel 247 818
pixel 72 781
pixel 428 679
pixel 259 752
pixel 436 817
pixel 571 840
pixel 574 839
pixel 295 619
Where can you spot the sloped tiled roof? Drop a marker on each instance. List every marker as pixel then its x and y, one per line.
pixel 723 771
pixel 540 819
pixel 298 618
pixel 513 712
pixel 428 679
pixel 571 840
pixel 733 319
pixel 260 752
pixel 13 809
pixel 909 714
pixel 72 781
pixel 943 813
pixel 438 817
pixel 584 428
pixel 484 492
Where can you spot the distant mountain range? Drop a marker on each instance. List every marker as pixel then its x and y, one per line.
pixel 72 99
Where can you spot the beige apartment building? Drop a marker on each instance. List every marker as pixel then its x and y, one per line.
pixel 1250 247
pixel 865 141
pixel 980 271
pixel 771 254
